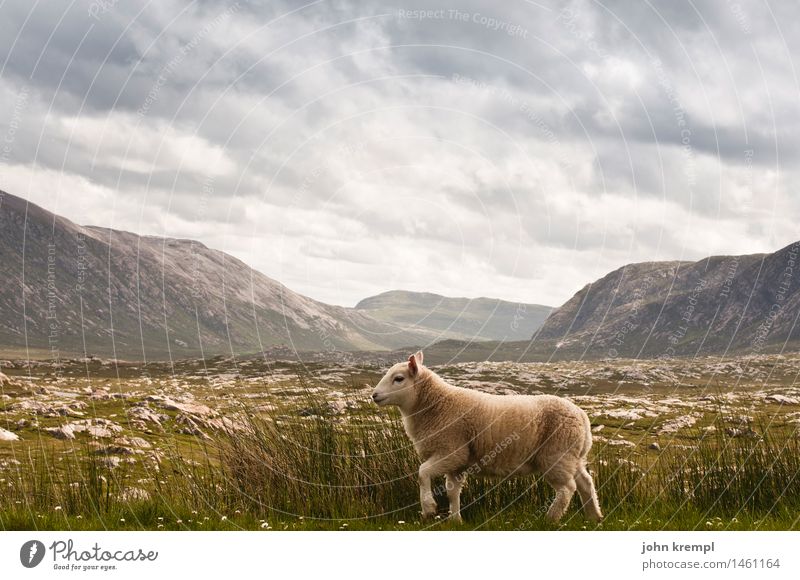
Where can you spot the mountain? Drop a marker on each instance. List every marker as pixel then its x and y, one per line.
pixel 456 318
pixel 744 304
pixel 72 289
pixel 77 289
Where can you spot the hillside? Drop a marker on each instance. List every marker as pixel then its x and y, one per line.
pixel 456 318
pixel 745 304
pixel 74 289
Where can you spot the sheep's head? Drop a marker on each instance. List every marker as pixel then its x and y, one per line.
pixel 397 385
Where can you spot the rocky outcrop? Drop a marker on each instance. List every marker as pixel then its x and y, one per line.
pixel 663 309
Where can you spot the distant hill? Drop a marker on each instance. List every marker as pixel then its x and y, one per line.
pixel 76 289
pixel 744 304
pixel 456 318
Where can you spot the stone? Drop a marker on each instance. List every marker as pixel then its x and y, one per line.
pixel 188 408
pixel 781 399
pixel 110 462
pixel 8 435
pixel 62 432
pixel 136 442
pixel 100 428
pixel 6 381
pixel 678 423
pixel 189 427
pixel 134 494
pixel 146 414
pixel 744 432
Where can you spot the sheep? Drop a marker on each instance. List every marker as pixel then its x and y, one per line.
pixel 459 432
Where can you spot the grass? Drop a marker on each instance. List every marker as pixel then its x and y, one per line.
pixel 316 473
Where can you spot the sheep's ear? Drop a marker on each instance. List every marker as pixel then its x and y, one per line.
pixel 413 368
pixel 414 362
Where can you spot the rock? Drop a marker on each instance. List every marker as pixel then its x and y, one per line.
pixel 100 428
pixel 329 409
pixel 6 381
pixel 189 427
pixel 8 435
pixel 146 414
pixel 134 494
pixel 188 408
pixel 114 450
pixel 100 431
pixel 743 432
pixel 738 420
pixel 137 442
pixel 62 432
pixel 51 410
pixel 598 428
pixel 110 462
pixel 336 407
pixel 628 414
pixel 654 446
pixel 221 424
pixel 781 399
pixel 678 423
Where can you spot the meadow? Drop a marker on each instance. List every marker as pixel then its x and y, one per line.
pixel 250 444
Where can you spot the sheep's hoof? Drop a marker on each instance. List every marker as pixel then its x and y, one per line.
pixel 456 518
pixel 552 518
pixel 428 509
pixel 429 512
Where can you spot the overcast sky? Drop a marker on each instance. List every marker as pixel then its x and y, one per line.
pixel 508 149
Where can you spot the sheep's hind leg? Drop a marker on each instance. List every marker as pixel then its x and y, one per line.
pixel 591 506
pixel 454 482
pixel 564 485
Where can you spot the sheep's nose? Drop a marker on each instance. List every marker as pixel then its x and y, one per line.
pixel 374 396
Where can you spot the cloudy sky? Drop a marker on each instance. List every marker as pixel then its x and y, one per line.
pixel 509 149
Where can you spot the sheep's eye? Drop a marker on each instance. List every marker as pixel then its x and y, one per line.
pixel 398 379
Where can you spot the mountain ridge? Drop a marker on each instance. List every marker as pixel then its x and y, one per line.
pixel 670 308
pixel 151 297
pixel 97 290
pixel 457 317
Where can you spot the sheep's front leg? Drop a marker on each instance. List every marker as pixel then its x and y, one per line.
pixel 454 482
pixel 427 471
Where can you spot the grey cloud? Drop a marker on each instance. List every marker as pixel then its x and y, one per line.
pixel 546 119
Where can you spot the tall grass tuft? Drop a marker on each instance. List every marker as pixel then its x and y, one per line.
pixel 359 467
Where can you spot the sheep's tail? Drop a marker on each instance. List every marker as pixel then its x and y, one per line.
pixel 587 436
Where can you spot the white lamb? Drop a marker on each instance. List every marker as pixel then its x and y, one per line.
pixel 459 432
